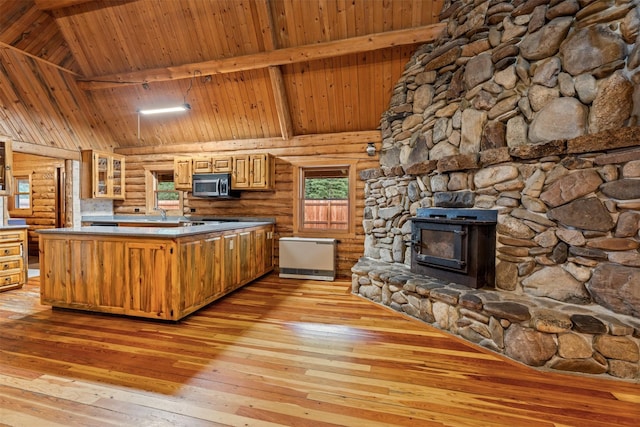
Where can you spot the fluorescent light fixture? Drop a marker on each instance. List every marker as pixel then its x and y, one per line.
pixel 183 107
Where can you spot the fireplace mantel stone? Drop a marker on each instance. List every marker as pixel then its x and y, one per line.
pixel 536 331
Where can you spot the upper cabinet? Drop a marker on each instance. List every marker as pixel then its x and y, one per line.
pixel 6 161
pixel 248 171
pixel 213 164
pixel 102 175
pixel 182 171
pixel 253 172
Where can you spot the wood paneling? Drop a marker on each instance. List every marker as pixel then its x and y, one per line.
pixel 51 45
pixel 278 352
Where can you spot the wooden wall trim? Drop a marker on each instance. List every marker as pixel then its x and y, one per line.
pixel 42 150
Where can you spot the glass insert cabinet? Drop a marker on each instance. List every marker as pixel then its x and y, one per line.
pixel 102 175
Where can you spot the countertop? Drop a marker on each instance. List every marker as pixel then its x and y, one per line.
pixel 145 230
pixel 14 227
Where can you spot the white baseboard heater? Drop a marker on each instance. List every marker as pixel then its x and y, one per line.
pixel 307 258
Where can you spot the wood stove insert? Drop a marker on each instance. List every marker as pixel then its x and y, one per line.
pixel 458 245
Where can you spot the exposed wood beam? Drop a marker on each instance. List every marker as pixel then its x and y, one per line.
pixel 282 104
pixel 265 20
pixel 37 58
pixel 266 144
pixel 43 150
pixel 57 4
pixel 370 42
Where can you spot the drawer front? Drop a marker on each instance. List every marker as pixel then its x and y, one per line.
pixel 10 249
pixel 9 236
pixel 10 264
pixel 10 279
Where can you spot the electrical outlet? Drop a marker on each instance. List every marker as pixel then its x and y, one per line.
pixel 193 210
pixel 136 210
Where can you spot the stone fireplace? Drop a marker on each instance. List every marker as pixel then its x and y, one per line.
pixel 529 108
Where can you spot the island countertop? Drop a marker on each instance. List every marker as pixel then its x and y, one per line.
pixel 155 227
pixel 151 271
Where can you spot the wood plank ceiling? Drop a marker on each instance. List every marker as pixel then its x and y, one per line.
pixel 73 73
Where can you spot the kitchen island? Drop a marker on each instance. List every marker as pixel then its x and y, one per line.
pixel 160 272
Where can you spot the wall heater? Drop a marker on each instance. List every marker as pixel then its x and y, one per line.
pixel 306 258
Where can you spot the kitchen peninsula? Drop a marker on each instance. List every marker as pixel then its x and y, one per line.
pixel 155 270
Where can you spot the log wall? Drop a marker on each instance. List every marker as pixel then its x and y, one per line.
pixel 278 203
pixel 43 183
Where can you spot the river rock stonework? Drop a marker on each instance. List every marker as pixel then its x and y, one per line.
pixel 531 108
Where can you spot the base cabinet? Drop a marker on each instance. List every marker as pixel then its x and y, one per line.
pixel 154 278
pixel 13 258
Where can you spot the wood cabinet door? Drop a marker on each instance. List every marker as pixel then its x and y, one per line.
pixel 246 256
pixel 230 262
pixel 258 170
pixel 148 279
pixel 200 271
pixel 222 164
pixel 202 165
pixel 182 171
pixel 116 177
pixel 241 175
pixel 101 169
pixel 263 250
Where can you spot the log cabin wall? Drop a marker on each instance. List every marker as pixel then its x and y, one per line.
pixel 277 204
pixel 43 192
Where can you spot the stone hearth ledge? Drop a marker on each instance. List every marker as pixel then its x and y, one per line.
pixel 536 331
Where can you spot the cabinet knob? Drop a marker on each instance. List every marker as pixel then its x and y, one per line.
pixel 7 251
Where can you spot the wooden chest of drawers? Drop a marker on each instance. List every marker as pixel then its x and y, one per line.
pixel 13 258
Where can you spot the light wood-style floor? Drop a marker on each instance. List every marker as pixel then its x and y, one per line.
pixel 277 352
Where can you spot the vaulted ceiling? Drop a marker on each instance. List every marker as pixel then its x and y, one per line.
pixel 73 73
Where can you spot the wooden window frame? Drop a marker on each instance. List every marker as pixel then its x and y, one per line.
pixel 18 212
pixel 150 189
pixel 298 196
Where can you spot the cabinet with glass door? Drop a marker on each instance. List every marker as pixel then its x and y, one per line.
pixel 102 175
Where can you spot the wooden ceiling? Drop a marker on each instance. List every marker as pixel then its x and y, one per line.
pixel 73 73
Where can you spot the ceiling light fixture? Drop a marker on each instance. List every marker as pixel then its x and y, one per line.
pixel 176 109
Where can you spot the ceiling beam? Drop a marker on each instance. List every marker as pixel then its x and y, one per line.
pixel 281 102
pixel 292 55
pixel 297 146
pixel 37 58
pixel 57 4
pixel 43 150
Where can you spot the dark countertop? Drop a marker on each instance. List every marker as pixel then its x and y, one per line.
pixel 156 230
pixel 14 227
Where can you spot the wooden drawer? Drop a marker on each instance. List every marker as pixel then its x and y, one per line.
pixel 10 264
pixel 10 236
pixel 10 249
pixel 10 279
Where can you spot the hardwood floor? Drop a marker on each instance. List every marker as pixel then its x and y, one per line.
pixel 277 352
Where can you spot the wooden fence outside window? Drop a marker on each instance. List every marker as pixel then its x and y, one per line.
pixel 326 214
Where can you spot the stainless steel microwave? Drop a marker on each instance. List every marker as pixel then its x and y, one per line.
pixel 213 185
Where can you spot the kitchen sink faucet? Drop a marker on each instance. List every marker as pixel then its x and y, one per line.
pixel 163 213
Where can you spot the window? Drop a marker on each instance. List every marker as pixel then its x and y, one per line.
pixel 325 199
pixel 160 190
pixel 21 202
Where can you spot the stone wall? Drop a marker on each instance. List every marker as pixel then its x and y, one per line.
pixel 531 108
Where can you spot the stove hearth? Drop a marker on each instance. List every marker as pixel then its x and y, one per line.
pixel 458 245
